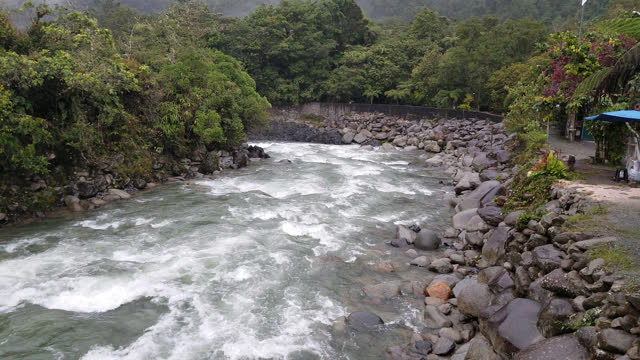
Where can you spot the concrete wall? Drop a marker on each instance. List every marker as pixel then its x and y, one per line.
pixel 334 111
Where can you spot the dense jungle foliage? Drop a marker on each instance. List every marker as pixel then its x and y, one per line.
pixel 69 94
pixel 76 86
pixel 554 13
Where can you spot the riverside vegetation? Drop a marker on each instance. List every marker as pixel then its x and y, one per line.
pixel 85 109
pixel 140 94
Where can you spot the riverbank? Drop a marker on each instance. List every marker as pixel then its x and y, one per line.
pixel 96 184
pixel 254 263
pixel 467 286
pixel 519 284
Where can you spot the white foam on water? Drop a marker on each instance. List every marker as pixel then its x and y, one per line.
pixel 93 224
pixel 241 273
pixel 21 244
pixel 242 289
pixel 162 223
pixel 280 257
pixel 275 188
pixel 142 221
pixel 391 188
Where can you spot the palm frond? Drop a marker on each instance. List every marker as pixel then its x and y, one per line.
pixel 608 79
pixel 592 83
pixel 629 26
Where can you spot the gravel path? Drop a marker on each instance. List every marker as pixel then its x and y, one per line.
pixel 622 201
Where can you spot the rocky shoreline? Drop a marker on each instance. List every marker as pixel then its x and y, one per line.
pixel 96 185
pixel 509 287
pixel 506 286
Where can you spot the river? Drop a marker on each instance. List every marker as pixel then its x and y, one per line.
pixel 254 264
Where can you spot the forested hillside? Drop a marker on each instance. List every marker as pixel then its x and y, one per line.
pixel 78 87
pixel 72 99
pixel 551 12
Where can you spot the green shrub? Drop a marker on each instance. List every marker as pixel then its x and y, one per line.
pixel 550 166
pixel 538 189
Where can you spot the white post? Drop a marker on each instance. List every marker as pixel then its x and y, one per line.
pixel 581 19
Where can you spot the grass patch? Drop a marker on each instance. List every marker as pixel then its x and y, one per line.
pixel 615 257
pixel 577 321
pixel 597 210
pixel 581 175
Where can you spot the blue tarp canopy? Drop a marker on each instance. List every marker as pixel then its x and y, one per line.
pixel 618 116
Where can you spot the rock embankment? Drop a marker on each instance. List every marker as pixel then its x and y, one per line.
pixel 509 286
pixel 376 129
pixel 115 179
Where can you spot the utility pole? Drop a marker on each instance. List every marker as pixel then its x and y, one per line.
pixel 581 19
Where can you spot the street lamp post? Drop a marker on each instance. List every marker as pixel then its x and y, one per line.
pixel 581 19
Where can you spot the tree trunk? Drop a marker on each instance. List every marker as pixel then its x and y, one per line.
pixel 571 126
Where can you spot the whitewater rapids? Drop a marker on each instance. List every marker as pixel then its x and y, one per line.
pixel 254 264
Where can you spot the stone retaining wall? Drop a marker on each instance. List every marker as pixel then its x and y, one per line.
pixel 335 111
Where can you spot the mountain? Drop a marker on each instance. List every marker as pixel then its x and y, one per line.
pixel 548 11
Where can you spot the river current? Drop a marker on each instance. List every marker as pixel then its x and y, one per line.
pixel 254 264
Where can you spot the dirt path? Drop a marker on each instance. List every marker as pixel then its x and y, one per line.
pixel 622 213
pixel 621 201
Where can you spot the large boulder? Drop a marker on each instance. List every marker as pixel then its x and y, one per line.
pixel 474 298
pixel 403 232
pixel 443 346
pixel 615 340
pixel 480 349
pixel 439 290
pixel 492 215
pixel 363 319
pixel 489 174
pixel 481 162
pixel 553 317
pixel 86 189
pixel 383 290
pixel 461 219
pixel 123 195
pixel 348 136
pixel 513 327
pixel 477 224
pixel 441 266
pixel 537 293
pixel 469 180
pixel 502 156
pixel 564 347
pixel 421 261
pixel 73 203
pixel 434 319
pixel 450 280
pixel 495 247
pixel 457 289
pixel 559 283
pixel 240 159
pixel 512 218
pixel 432 146
pixel 472 200
pixel 587 244
pixel 551 219
pixel 547 257
pixel 427 240
pixel 361 137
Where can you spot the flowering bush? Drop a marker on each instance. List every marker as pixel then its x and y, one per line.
pixel 549 166
pixel 572 61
